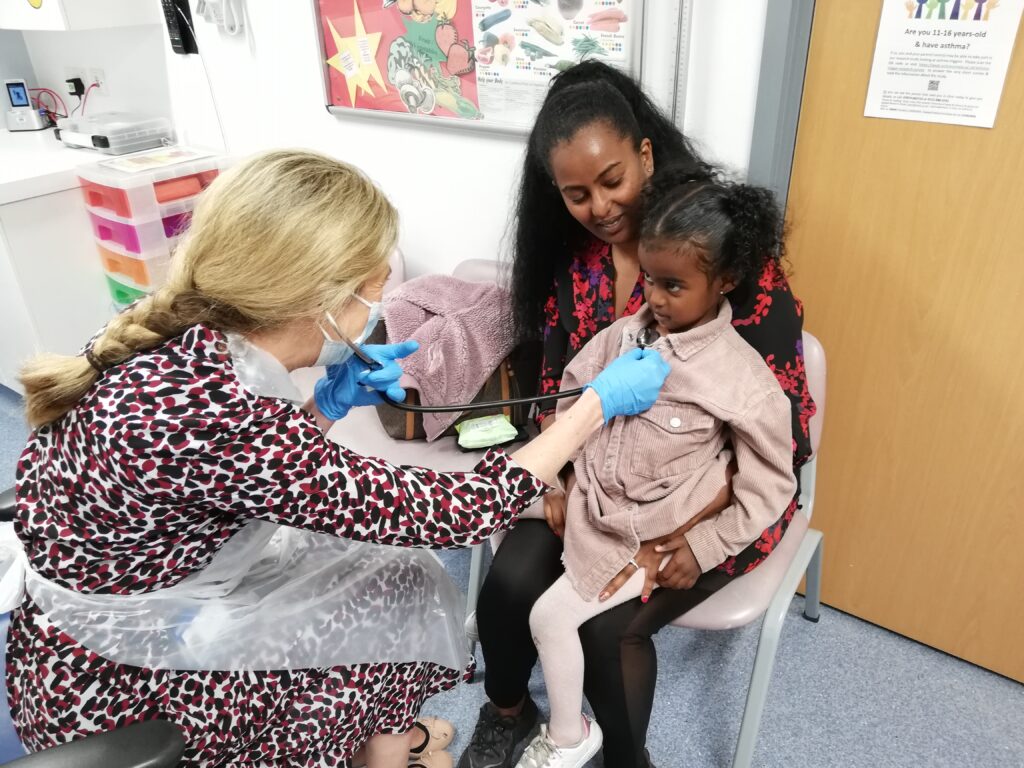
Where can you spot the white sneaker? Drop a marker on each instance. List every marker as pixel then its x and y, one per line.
pixel 544 753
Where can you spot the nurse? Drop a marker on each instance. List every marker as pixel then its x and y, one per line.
pixel 198 550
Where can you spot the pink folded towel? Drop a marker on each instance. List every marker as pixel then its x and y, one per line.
pixel 464 330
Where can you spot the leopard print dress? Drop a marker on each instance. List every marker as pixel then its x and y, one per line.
pixel 161 463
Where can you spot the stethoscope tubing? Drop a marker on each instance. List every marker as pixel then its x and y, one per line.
pixel 482 406
pixel 644 341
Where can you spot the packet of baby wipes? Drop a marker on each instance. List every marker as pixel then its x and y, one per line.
pixel 485 431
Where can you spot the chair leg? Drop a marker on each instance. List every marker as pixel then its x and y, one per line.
pixel 767 645
pixel 812 598
pixel 476 580
pixel 757 694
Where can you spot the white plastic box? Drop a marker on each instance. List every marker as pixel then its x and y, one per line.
pixel 115 133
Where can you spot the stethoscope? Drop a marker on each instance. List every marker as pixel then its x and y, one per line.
pixel 645 337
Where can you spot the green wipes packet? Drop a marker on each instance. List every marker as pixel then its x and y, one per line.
pixel 485 431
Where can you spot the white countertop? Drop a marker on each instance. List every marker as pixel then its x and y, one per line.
pixel 34 163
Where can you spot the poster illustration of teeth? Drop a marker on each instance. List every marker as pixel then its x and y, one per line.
pixel 478 60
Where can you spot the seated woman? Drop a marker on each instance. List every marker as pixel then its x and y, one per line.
pixel 650 477
pixel 596 142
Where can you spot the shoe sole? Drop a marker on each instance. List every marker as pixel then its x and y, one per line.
pixel 590 755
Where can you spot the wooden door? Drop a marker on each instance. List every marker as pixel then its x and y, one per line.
pixel 907 247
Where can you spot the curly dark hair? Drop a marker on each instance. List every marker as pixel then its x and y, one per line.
pixel 737 227
pixel 546 234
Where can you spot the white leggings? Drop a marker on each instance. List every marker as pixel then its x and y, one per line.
pixel 554 623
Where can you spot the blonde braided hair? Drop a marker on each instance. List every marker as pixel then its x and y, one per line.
pixel 283 236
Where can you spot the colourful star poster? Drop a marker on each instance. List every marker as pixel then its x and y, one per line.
pixel 405 56
pixel 485 62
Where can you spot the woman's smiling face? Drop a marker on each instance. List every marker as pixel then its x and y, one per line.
pixel 600 175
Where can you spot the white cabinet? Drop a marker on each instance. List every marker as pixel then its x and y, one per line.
pixel 77 14
pixel 53 294
pixel 18 341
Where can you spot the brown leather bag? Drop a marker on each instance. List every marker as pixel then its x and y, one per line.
pixel 516 376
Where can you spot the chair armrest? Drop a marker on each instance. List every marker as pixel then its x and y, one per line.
pixel 149 744
pixel 7 505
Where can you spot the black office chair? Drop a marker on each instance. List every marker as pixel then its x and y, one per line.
pixel 7 505
pixel 149 744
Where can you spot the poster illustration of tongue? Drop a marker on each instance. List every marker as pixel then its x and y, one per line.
pixel 405 56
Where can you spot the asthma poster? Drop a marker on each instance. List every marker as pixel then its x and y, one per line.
pixel 942 61
pixel 472 60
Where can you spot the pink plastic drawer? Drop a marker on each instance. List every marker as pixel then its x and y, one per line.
pixel 138 237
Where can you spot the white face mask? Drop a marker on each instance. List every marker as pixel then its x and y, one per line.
pixel 337 352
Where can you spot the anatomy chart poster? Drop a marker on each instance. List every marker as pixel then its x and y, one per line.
pixel 487 60
pixel 942 61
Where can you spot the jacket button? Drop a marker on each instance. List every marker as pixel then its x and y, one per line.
pixel 676 422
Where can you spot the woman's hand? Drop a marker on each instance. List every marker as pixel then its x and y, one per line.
pixel 554 512
pixel 648 559
pixel 556 503
pixel 353 384
pixel 630 383
pixel 682 570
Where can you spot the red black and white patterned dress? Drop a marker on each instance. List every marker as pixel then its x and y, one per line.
pixel 160 464
pixel 765 313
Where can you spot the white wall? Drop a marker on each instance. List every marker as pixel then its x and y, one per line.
pixel 721 89
pixel 131 58
pixel 14 61
pixel 454 188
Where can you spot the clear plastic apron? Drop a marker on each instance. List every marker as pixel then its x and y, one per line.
pixel 273 598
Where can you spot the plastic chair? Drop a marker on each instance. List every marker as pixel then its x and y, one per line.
pixel 764 592
pixel 768 590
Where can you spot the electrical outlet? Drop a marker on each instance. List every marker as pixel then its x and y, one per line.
pixel 98 77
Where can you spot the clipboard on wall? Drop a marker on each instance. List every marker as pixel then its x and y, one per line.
pixel 469 64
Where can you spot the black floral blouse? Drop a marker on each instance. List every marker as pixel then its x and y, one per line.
pixel 766 314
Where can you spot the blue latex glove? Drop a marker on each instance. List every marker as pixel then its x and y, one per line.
pixel 353 384
pixel 630 383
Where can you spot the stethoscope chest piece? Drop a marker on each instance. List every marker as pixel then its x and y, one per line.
pixel 645 337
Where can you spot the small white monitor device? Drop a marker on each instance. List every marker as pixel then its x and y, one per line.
pixel 20 114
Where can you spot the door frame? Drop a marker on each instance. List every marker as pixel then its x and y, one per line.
pixel 780 89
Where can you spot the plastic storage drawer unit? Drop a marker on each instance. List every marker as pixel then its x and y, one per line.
pixel 145 273
pixel 182 174
pixel 123 293
pixel 139 237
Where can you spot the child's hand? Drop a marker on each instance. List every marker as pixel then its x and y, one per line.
pixel 683 570
pixel 648 560
pixel 554 512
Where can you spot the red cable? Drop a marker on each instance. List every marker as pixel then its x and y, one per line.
pixel 85 98
pixel 56 97
pixel 39 101
pixel 50 112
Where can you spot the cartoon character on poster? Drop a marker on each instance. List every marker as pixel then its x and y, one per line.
pixel 415 44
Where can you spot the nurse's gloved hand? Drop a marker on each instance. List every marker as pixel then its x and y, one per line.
pixel 353 384
pixel 385 379
pixel 630 383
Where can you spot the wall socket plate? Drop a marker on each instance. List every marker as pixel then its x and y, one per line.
pixel 97 75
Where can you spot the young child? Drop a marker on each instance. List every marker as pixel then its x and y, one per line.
pixel 645 477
